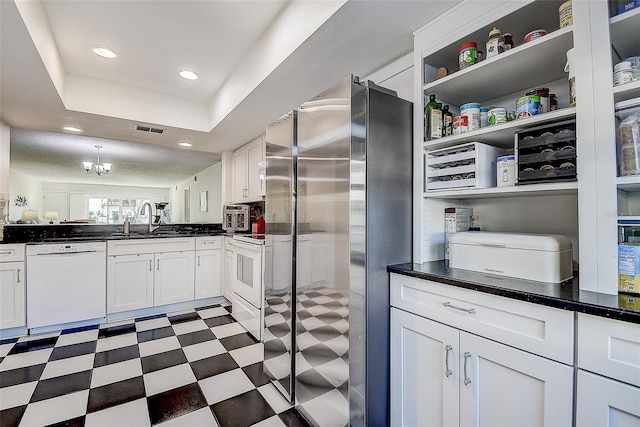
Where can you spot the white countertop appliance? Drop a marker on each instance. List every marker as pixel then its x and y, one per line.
pixel 538 257
pixel 236 218
pixel 66 283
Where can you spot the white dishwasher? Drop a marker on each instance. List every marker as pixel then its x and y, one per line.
pixel 66 283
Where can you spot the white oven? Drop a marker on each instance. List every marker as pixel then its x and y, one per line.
pixel 247 283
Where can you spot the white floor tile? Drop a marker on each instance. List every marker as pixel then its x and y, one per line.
pixel 213 312
pixel 168 379
pixel 39 336
pixel 279 366
pixel 77 337
pixel 274 421
pixel 61 367
pixel 55 410
pixel 226 385
pixel 228 330
pixel 201 417
pixel 186 327
pixel 147 325
pixel 117 341
pixel 158 346
pixel 177 313
pixel 5 349
pixel 16 395
pixel 131 414
pixel 203 350
pixel 329 409
pixel 274 398
pixel 116 323
pixel 25 359
pixel 249 355
pixel 336 371
pixel 115 372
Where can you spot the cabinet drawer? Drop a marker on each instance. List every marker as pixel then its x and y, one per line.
pixel 538 329
pixel 148 246
pixel 609 347
pixel 208 242
pixel 12 252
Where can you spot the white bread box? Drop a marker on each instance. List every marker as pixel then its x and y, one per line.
pixel 540 257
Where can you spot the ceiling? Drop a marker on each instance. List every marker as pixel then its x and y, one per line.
pixel 256 60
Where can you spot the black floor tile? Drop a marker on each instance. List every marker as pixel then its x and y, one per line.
pixel 280 330
pixel 237 341
pixel 33 345
pixel 214 365
pixel 174 403
pixel 187 317
pixel 75 422
pixel 196 337
pixel 325 333
pixel 152 317
pixel 310 384
pixel 207 307
pixel 21 375
pixel 163 360
pixel 292 418
pixel 8 341
pixel 228 308
pixel 79 329
pixel 155 334
pixel 116 355
pixel 73 350
pixel 219 320
pixel 115 394
pixel 256 374
pixel 117 330
pixel 66 384
pixel 11 417
pixel 243 410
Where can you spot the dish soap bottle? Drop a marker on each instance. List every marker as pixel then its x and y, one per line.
pixel 126 227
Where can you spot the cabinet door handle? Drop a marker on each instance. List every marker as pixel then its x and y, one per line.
pixel 198 260
pixel 158 265
pixel 447 372
pixel 466 310
pixel 6 253
pixel 18 275
pixel 150 265
pixel 467 380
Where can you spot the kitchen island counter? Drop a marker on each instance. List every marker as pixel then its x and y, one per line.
pixel 566 296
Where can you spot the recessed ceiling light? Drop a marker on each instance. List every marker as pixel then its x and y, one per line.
pixel 185 144
pixel 188 75
pixel 72 129
pixel 105 52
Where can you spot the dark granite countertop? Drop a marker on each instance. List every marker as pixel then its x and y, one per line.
pixel 566 296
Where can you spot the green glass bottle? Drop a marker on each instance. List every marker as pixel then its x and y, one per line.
pixel 427 116
pixel 447 121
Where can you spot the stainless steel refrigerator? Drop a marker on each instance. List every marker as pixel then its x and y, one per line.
pixel 338 210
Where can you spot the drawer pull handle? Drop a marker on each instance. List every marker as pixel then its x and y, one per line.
pixel 467 380
pixel 448 372
pixel 466 310
pixel 6 253
pixel 158 265
pixel 18 275
pixel 198 260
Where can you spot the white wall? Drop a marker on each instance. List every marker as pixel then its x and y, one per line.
pixel 209 180
pixel 397 76
pixel 5 150
pixel 21 184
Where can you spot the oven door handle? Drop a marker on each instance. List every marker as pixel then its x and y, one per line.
pixel 248 246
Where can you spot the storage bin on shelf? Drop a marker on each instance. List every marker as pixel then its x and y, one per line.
pixel 466 165
pixel 546 153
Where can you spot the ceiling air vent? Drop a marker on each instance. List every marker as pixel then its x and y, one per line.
pixel 148 129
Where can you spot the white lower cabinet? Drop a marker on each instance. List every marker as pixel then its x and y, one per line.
pixel 208 274
pixel 441 376
pixel 174 279
pixel 129 282
pixel 460 357
pixel 12 295
pixel 603 402
pixel 228 270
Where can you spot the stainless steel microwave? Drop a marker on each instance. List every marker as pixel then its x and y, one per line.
pixel 236 218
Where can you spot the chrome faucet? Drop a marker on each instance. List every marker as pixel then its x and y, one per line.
pixel 142 212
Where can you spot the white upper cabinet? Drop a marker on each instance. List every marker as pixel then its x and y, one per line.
pixel 248 172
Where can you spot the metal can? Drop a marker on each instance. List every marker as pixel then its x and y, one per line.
pixel 543 93
pixel 468 55
pixel 460 124
pixel 527 106
pixel 471 110
pixel 566 14
pixel 535 34
pixel 497 116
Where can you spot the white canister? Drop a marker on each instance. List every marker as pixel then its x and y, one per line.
pixel 497 116
pixel 506 171
pixel 622 73
pixel 472 111
pixel 484 115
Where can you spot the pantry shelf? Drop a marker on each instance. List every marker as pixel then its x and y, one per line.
pixel 532 190
pixel 627 91
pixel 500 135
pixel 528 65
pixel 628 183
pixel 624 30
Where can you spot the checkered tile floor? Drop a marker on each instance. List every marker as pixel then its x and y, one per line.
pixel 193 368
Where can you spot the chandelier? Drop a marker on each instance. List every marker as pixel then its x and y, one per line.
pixel 99 168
